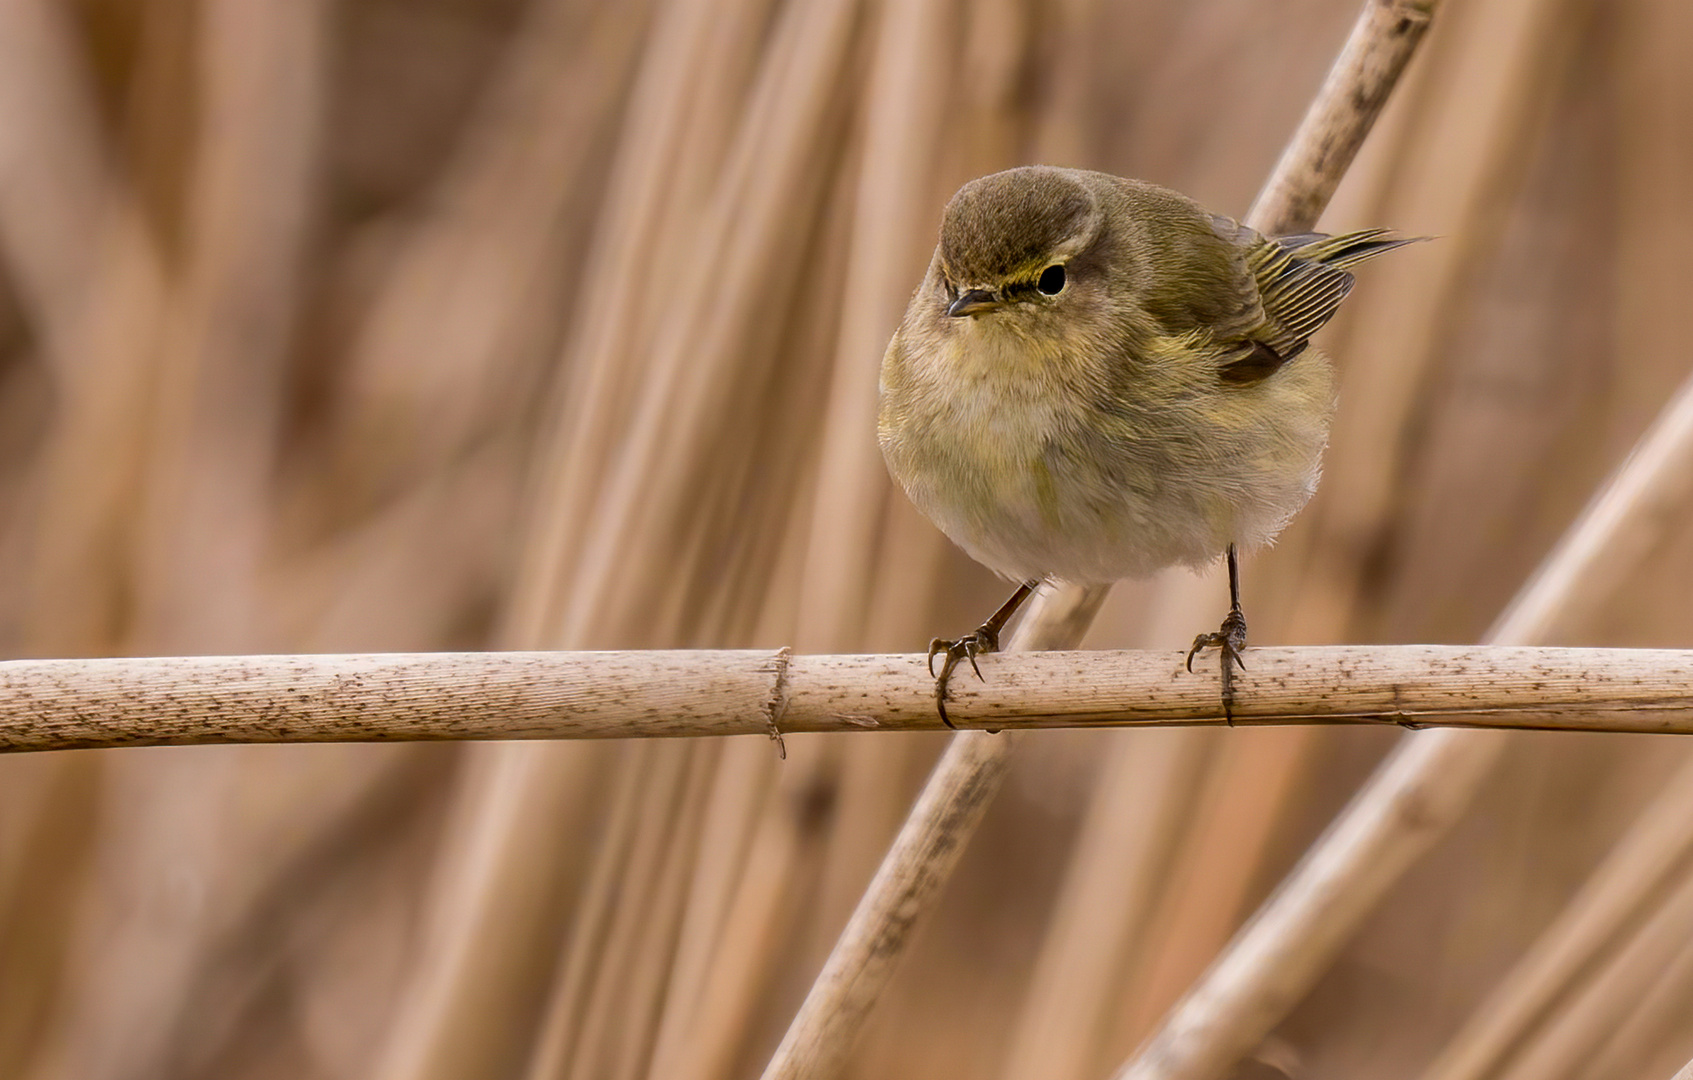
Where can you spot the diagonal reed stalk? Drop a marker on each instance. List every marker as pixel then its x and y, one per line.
pixel 1417 794
pixel 963 782
pixel 1445 160
pixel 1541 993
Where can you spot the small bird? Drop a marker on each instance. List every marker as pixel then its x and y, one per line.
pixel 1098 379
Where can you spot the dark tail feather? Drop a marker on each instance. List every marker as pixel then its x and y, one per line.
pixel 1346 249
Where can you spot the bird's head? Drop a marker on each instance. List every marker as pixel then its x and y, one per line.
pixel 1011 247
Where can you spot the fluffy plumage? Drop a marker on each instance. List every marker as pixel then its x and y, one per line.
pixel 1161 405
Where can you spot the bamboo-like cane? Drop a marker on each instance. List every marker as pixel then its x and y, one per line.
pixel 1611 994
pixel 1447 159
pixel 1651 1018
pixel 1617 893
pixel 1382 43
pixel 386 697
pixel 1272 962
pixel 1529 1006
pixel 1617 529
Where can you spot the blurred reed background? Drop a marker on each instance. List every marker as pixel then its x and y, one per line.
pixel 334 325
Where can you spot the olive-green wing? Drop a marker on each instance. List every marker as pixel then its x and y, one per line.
pixel 1300 281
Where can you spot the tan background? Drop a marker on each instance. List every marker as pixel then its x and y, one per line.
pixel 333 325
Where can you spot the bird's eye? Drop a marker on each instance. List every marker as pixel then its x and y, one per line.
pixel 1051 281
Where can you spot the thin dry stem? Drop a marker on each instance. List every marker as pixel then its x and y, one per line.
pixel 173 701
pixel 177 701
pixel 617 1015
pixel 1224 841
pixel 618 844
pixel 651 163
pixel 1382 43
pixel 611 327
pixel 773 172
pixel 477 964
pixel 1130 838
pixel 737 909
pixel 1612 993
pixel 1617 891
pixel 1412 801
pixel 1653 1021
pixel 918 865
pixel 1623 525
pixel 1460 150
pixel 1435 166
pixel 908 99
pixel 1369 66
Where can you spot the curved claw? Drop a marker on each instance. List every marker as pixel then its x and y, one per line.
pixel 936 646
pixel 954 652
pixel 965 648
pixel 1230 640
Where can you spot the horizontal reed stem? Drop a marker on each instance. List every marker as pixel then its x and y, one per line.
pixel 67 704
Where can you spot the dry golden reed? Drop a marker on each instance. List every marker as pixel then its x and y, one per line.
pixel 424 325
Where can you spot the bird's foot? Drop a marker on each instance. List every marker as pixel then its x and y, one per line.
pixel 985 639
pixel 1230 637
pixel 1230 641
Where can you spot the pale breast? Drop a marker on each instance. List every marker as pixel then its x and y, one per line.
pixel 1036 479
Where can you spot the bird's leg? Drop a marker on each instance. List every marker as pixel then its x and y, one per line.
pixel 1230 638
pixel 985 639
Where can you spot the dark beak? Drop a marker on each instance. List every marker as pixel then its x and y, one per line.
pixel 974 302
